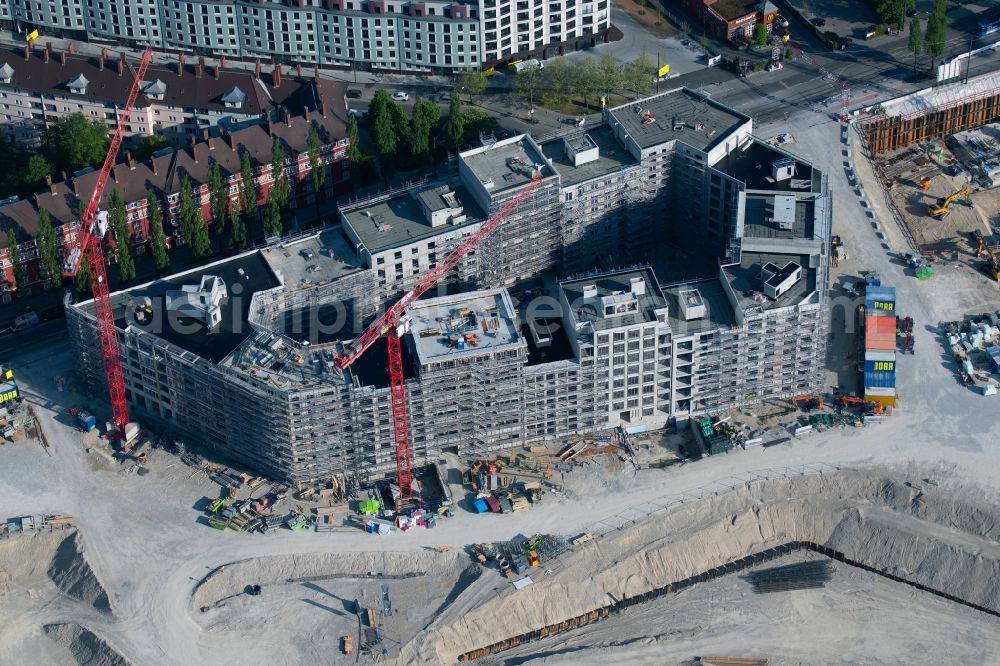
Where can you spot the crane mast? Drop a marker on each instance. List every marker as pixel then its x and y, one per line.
pixel 88 238
pixel 388 324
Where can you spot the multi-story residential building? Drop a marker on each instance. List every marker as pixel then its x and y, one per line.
pixel 723 306
pixel 405 35
pixel 164 173
pixel 176 102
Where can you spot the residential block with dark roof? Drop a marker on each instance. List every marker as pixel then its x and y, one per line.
pixel 176 101
pixel 164 172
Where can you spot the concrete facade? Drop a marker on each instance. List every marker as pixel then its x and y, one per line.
pixel 427 35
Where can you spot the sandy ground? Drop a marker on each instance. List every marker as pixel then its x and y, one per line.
pixel 142 539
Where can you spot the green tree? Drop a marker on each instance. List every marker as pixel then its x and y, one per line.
pixel 472 83
pixel 759 34
pixel 157 239
pixel 556 81
pixel 118 225
pixel 355 157
pixel 186 211
pixel 202 245
pixel 456 124
pixel 14 254
pixel 936 36
pixel 527 84
pixel 317 168
pixel 892 12
pixel 916 43
pixel 426 120
pixel 36 171
pixel 73 142
pixel 609 74
pixel 586 79
pixel 383 125
pixel 248 190
pixel 48 251
pixel 237 230
pixel 218 197
pixel 272 218
pixel 82 278
pixel 280 190
pixel 640 75
pixel 144 148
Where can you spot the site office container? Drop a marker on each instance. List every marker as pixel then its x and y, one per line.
pixel 884 396
pixel 880 332
pixel 880 301
pixel 880 369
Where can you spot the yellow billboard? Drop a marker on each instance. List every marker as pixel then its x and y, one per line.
pixel 663 71
pixel 33 35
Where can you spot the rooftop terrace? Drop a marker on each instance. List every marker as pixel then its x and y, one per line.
pixel 748 285
pixel 611 300
pixel 755 165
pixel 463 325
pixel 718 311
pixel 612 157
pixel 680 115
pixel 243 275
pixel 777 217
pixel 401 220
pixel 506 164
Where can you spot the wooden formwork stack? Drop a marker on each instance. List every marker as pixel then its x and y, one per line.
pixel 889 133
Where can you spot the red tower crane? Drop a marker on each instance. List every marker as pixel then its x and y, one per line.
pixel 389 324
pixel 90 238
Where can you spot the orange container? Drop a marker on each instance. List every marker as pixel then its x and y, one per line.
pixel 880 333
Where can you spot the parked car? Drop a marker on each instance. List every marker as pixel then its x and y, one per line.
pixel 401 96
pixel 781 21
pixel 446 97
pixel 818 22
pixel 357 113
pixel 353 93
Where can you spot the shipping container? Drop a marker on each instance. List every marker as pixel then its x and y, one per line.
pixel 880 301
pixel 884 396
pixel 880 369
pixel 880 333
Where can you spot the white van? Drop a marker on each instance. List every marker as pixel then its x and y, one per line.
pixel 26 320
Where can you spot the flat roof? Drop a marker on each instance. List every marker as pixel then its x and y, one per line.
pixel 315 260
pixel 400 220
pixel 746 282
pixel 758 222
pixel 213 345
pixel 734 9
pixel 464 324
pixel 753 165
pixel 507 164
pixel 613 157
pixel 610 285
pixel 718 310
pixel 681 108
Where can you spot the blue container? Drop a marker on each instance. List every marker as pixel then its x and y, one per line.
pixel 480 506
pixel 880 301
pixel 86 421
pixel 880 379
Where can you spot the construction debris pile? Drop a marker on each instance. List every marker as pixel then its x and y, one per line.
pixel 975 346
pixel 513 491
pixel 518 556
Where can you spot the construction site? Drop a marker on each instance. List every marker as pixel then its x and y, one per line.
pixel 935 152
pixel 550 320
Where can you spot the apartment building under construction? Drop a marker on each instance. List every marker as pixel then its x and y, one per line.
pixel 669 265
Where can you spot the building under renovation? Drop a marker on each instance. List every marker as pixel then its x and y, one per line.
pixel 668 265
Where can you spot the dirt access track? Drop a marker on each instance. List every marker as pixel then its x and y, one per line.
pixel 445 607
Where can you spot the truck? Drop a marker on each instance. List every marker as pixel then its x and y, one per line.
pixel 519 66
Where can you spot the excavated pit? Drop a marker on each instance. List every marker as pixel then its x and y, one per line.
pixel 920 535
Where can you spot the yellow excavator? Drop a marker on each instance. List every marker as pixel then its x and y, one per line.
pixel 992 264
pixel 940 209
